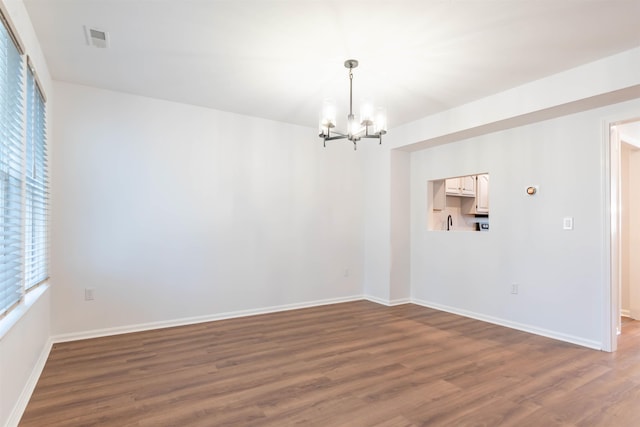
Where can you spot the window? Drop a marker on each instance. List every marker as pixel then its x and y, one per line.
pixel 36 186
pixel 11 131
pixel 23 175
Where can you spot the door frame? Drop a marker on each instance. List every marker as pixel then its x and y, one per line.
pixel 611 197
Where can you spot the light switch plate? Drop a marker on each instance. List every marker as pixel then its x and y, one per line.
pixel 567 223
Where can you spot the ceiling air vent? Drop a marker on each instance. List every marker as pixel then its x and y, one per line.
pixel 96 38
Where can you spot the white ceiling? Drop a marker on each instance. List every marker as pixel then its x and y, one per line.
pixel 280 59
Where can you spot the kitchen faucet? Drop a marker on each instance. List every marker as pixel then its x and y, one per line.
pixel 449 222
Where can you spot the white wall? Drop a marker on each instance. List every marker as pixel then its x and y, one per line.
pixel 559 272
pixel 634 231
pixel 612 81
pixel 387 224
pixel 23 351
pixel 172 212
pixel 625 301
pixel 629 134
pixel 400 227
pixel 377 220
pixel 604 82
pixel 630 233
pixel 25 340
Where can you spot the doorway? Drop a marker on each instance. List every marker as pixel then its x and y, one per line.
pixel 624 152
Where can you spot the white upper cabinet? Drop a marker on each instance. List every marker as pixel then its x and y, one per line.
pixel 482 194
pixel 452 186
pixel 462 186
pixel 468 185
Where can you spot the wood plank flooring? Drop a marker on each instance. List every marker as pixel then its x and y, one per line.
pixel 350 364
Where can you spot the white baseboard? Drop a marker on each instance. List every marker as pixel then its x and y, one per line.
pixel 243 313
pixel 513 325
pixel 97 333
pixel 29 387
pixel 399 301
pixel 625 313
pixel 388 303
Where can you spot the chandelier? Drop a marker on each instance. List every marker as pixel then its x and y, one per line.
pixel 367 127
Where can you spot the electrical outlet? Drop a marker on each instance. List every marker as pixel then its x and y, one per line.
pixel 514 288
pixel 89 294
pixel 567 223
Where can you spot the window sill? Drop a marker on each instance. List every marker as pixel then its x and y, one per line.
pixel 21 309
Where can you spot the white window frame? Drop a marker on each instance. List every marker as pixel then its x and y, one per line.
pixel 23 265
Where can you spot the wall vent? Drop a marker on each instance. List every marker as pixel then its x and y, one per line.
pixel 96 38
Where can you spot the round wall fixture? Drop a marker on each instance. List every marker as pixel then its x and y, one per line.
pixel 532 190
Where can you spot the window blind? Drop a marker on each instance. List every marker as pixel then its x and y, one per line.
pixel 11 155
pixel 36 186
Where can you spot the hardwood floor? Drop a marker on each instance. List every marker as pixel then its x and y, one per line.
pixel 351 364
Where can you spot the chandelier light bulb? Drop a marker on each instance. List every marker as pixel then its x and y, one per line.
pixel 380 122
pixel 354 127
pixel 366 114
pixel 327 117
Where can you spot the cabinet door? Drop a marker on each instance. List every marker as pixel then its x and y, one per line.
pixel 452 186
pixel 468 185
pixel 482 195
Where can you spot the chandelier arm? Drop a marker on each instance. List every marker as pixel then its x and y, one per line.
pixel 333 138
pixel 337 135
